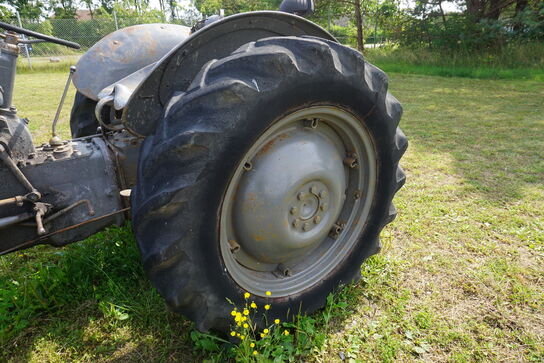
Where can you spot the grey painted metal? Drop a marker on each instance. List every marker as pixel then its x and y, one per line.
pixel 177 69
pixel 79 171
pixel 293 209
pixel 8 63
pixel 124 52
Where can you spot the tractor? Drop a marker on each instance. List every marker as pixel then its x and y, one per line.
pixel 253 153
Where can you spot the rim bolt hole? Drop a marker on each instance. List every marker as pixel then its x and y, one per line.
pixel 312 124
pixel 351 161
pixel 248 166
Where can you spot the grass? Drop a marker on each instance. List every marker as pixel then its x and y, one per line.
pixel 460 277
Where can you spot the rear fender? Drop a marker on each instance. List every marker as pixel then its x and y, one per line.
pixel 176 70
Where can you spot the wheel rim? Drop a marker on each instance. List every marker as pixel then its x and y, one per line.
pixel 295 206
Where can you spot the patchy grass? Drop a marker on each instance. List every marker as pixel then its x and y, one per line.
pixel 460 277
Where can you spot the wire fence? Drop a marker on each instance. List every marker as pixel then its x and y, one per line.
pixel 87 32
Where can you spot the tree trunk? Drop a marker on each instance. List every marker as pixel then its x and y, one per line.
pixel 359 23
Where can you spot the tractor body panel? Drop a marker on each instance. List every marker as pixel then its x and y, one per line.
pixel 124 52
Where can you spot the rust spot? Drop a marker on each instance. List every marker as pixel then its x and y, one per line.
pixel 266 148
pixel 258 238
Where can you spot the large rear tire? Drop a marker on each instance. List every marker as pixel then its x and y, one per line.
pixel 275 171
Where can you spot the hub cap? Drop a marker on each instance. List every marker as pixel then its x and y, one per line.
pixel 296 204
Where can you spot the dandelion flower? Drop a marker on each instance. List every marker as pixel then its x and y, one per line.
pixel 267 307
pixel 266 331
pixel 277 321
pixel 242 337
pixel 247 295
pixel 246 312
pixel 246 326
pixel 286 332
pixel 253 305
pixel 262 335
pixel 268 293
pixel 233 313
pixel 252 345
pixel 255 352
pixel 232 333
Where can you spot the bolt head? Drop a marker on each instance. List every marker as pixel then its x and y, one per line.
pixel 307 226
pixel 301 196
pixel 296 223
pixel 317 219
pixel 294 211
pixel 323 194
pixel 323 207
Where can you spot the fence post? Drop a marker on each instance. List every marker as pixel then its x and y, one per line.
pixel 25 46
pixel 115 19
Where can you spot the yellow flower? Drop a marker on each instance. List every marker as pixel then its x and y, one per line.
pixel 255 352
pixel 244 318
pixel 252 345
pixel 266 307
pixel 246 312
pixel 247 295
pixel 233 313
pixel 239 324
pixel 242 337
pixel 253 305
pixel 277 321
pixel 238 335
pixel 246 326
pixel 262 335
pixel 266 331
pixel 232 333
pixel 285 332
pixel 268 293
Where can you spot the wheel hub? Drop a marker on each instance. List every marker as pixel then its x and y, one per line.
pixel 296 203
pixel 289 200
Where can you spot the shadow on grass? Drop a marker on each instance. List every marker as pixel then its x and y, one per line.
pixel 88 299
pixel 492 132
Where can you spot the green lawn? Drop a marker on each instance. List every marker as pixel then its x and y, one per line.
pixel 460 278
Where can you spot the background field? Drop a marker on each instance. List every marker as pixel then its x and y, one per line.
pixel 460 278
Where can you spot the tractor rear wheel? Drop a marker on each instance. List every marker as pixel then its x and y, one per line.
pixel 275 171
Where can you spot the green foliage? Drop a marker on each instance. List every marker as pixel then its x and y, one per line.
pixel 210 7
pixel 514 61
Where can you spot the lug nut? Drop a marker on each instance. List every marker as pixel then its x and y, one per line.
pixel 296 223
pixel 324 207
pixel 323 194
pixel 351 161
pixel 307 226
pixel 301 196
pixel 294 211
pixel 317 219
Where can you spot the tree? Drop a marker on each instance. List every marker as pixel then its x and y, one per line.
pixel 210 7
pixel 355 10
pixel 28 9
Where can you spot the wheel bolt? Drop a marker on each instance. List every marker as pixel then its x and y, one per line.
pixel 323 194
pixel 294 211
pixel 307 226
pixel 296 223
pixel 324 207
pixel 317 219
pixel 301 196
